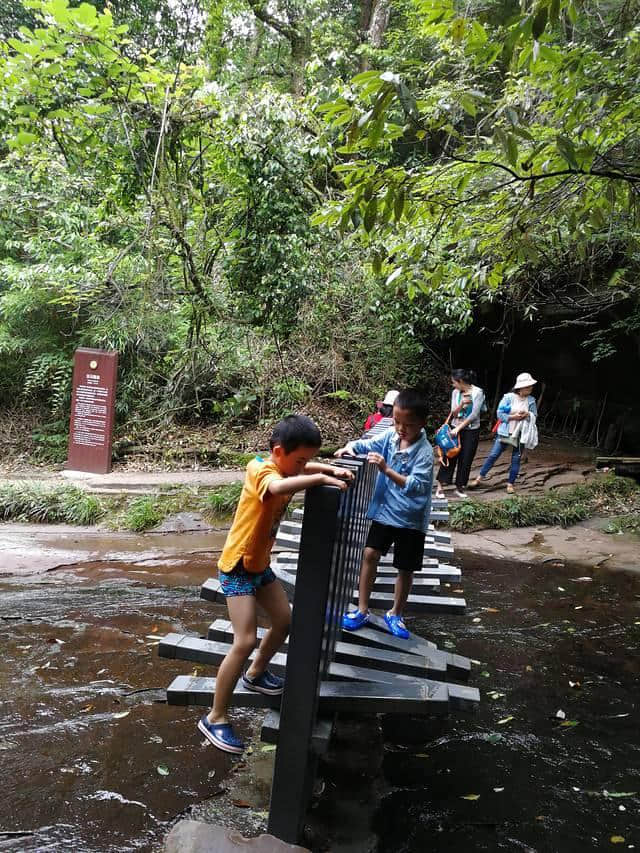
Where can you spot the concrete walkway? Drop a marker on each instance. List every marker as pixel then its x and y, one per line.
pixel 126 481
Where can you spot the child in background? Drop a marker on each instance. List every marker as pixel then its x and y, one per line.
pixel 400 507
pixel 245 574
pixel 384 410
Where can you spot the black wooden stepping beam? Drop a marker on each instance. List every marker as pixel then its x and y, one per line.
pixel 334 697
pixel 431 548
pixel 288 560
pixel 319 739
pixel 183 647
pixel 428 663
pixel 212 591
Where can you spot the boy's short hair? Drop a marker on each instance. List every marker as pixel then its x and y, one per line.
pixel 295 431
pixel 414 401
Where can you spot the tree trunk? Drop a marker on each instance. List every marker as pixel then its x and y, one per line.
pixel 374 20
pixel 300 41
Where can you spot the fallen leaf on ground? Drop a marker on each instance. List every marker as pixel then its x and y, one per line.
pixel 560 715
pixel 498 790
pixel 477 619
pixel 121 714
pixel 566 724
pixel 617 839
pixel 269 747
pixel 575 684
pixel 241 804
pixel 471 797
pixel 162 769
pixel 154 629
pixel 505 720
pixel 491 609
pixel 618 794
pixel 86 709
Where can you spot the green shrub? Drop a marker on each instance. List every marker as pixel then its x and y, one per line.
pixel 35 502
pixel 624 524
pixel 142 513
pixel 563 508
pixel 224 499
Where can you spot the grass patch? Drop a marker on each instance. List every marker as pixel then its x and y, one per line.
pixel 66 504
pixel 43 504
pixel 223 500
pixel 624 524
pixel 608 495
pixel 142 514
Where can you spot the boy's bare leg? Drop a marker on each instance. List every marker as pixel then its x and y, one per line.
pixel 242 612
pixel 404 582
pixel 368 572
pixel 274 600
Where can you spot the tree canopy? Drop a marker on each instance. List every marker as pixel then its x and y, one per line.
pixel 215 189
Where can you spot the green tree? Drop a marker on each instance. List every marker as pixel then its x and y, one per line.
pixel 505 165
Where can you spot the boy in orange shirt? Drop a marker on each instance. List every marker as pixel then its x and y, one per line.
pixel 245 574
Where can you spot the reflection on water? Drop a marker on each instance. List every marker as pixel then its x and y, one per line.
pixel 556 741
pixel 83 735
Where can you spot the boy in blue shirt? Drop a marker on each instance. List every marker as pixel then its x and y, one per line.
pixel 400 507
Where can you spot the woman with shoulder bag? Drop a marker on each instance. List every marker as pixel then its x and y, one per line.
pixel 467 401
pixel 517 414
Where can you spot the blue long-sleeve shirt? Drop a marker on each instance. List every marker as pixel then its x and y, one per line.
pixel 400 506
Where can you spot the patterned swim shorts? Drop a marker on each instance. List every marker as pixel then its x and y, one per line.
pixel 241 582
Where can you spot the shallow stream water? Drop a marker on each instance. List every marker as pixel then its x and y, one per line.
pixel 92 760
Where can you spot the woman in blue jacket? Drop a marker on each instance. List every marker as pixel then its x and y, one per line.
pixel 515 407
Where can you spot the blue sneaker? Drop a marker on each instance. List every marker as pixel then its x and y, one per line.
pixel 354 620
pixel 267 683
pixel 221 735
pixel 396 625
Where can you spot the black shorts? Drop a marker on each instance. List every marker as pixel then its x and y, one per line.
pixel 408 545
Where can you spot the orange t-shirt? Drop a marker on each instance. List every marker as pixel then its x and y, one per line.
pixel 256 521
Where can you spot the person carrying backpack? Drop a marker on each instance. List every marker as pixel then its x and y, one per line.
pixel 467 401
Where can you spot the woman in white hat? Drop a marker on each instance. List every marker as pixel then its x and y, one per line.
pixel 515 407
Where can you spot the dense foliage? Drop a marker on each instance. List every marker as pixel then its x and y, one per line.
pixel 258 204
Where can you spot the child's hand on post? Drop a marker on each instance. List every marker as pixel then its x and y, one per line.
pixel 342 474
pixel 332 481
pixel 378 460
pixel 343 451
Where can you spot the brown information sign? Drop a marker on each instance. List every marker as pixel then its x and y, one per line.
pixel 95 373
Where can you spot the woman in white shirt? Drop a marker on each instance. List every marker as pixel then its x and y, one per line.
pixel 515 407
pixel 466 404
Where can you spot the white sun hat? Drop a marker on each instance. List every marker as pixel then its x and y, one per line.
pixel 523 380
pixel 390 398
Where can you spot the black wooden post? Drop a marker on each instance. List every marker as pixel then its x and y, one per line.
pixel 293 771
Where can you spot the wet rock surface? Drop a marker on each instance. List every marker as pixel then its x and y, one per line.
pixel 190 836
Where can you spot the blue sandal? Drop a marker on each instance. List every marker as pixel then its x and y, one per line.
pixel 354 620
pixel 396 625
pixel 221 735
